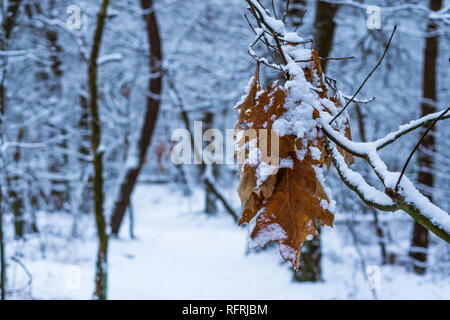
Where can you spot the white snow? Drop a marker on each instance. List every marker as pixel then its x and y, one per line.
pixel 407 189
pixel 273 232
pixel 356 179
pixel 287 163
pixel 315 153
pixel 109 58
pixel 247 90
pixel 180 253
pixel 292 37
pixel 263 171
pixel 276 25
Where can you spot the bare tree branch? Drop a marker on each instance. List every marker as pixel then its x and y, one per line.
pixel 417 146
pixel 368 76
pixel 359 149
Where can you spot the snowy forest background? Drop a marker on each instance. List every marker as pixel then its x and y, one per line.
pixel 179 237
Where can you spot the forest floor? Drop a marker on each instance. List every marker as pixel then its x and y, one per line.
pixel 180 253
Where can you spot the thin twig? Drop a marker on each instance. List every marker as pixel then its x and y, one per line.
pixel 286 11
pixel 326 59
pixel 359 101
pixel 367 78
pixel 254 31
pixel 280 49
pixel 250 24
pixel 263 60
pixel 417 146
pixel 274 11
pixel 260 20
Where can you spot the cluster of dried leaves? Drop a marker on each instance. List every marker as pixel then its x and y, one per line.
pixel 289 204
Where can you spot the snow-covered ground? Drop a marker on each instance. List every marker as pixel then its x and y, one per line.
pixel 180 253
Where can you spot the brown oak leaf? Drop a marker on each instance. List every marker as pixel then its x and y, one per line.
pixel 289 205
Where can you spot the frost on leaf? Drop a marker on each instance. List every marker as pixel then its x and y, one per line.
pixel 288 202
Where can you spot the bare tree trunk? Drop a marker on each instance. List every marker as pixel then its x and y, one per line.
pixel 2 243
pixel 9 22
pixel 297 10
pixel 131 221
pixel 60 188
pixel 2 252
pixel 15 194
pixel 102 255
pixel 419 243
pixel 210 198
pixel 85 205
pixel 153 101
pixel 310 266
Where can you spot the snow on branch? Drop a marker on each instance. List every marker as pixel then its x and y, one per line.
pixel 365 101
pixel 406 197
pixel 411 126
pixel 410 200
pixel 355 181
pixel 362 149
